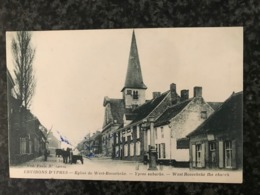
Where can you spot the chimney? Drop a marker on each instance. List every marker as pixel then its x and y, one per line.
pixel 156 94
pixel 174 96
pixel 197 91
pixel 106 100
pixel 184 95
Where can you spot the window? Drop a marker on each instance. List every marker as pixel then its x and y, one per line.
pixel 198 155
pixel 203 114
pixel 22 145
pixel 212 146
pixel 138 148
pixel 228 154
pixel 36 145
pixel 135 94
pixel 117 151
pixel 117 138
pixel 212 154
pixel 162 150
pixel 162 132
pixel 30 146
pixel 155 132
pixel 158 150
pixel 129 92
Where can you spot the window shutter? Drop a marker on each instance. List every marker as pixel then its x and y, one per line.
pixel 220 152
pixel 159 150
pixel 203 155
pixel 234 160
pixel 193 152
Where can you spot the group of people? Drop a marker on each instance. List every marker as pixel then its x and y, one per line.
pixel 66 154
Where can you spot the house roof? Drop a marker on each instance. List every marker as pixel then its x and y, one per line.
pixel 134 77
pixel 228 117
pixel 215 105
pixel 117 110
pixel 171 112
pixel 145 109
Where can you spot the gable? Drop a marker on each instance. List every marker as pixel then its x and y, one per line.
pixel 114 111
pixel 227 118
pixel 170 113
pixel 149 107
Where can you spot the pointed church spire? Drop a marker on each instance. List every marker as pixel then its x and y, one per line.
pixel 134 77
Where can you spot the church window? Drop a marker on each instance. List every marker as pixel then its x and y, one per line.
pixel 135 94
pixel 129 92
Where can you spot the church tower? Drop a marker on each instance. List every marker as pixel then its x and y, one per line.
pixel 134 88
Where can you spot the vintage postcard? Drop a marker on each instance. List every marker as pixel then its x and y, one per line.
pixel 161 104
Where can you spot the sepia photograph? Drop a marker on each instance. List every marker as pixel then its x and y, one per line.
pixel 151 104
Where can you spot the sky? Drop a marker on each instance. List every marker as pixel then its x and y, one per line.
pixel 76 69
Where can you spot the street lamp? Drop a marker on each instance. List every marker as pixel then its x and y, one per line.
pixel 152 149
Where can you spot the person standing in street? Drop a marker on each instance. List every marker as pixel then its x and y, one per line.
pixel 45 154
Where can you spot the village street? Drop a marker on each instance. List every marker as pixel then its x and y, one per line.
pixel 103 168
pixel 95 163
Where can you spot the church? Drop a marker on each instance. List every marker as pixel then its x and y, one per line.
pixel 119 112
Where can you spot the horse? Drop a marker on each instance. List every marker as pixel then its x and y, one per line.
pixel 58 152
pixel 75 158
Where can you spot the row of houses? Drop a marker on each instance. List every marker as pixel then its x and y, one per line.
pixel 28 138
pixel 173 128
pixel 91 144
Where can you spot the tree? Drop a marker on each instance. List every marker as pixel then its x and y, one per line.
pixel 23 55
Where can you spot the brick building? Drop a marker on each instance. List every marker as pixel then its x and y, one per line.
pixel 26 140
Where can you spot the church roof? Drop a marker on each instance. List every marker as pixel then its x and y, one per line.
pixel 134 77
pixel 227 118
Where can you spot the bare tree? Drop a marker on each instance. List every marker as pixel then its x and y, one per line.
pixel 23 55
